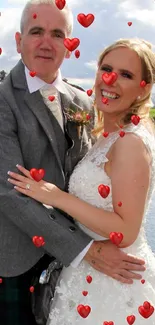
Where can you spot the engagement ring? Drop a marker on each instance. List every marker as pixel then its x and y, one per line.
pixel 27 186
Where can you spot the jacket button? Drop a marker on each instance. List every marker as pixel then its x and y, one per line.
pixel 72 228
pixel 52 217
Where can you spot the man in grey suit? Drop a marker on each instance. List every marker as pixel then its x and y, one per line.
pixel 30 135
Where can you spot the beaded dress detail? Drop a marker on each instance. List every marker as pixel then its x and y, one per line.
pixel 109 299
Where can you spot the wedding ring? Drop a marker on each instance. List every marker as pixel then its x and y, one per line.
pixel 27 186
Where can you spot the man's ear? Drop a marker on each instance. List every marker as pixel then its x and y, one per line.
pixel 68 54
pixel 18 41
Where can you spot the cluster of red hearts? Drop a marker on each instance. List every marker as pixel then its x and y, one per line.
pixel 146 310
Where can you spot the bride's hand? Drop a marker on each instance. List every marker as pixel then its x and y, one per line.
pixel 41 191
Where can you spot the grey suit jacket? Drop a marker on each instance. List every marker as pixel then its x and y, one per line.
pixel 27 138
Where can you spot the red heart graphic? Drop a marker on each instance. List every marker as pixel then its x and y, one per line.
pixel 0 50
pixel 120 204
pixel 122 134
pixel 146 310
pixel 109 78
pixel 37 174
pixel 1 280
pixel 83 311
pixel 71 44
pixel 51 98
pixel 89 278
pixel 142 281
pixel 135 119
pixel 131 319
pixel 38 241
pixel 129 23
pixel 89 92
pixel 77 54
pixel 104 100
pixel 32 73
pixel 116 237
pixel 108 323
pixel 34 16
pixel 143 83
pixel 85 20
pixel 60 4
pixel 103 190
pixel 31 289
pixel 88 117
pixel 85 293
pixel 105 134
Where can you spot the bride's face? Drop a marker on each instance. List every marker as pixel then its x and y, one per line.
pixel 125 90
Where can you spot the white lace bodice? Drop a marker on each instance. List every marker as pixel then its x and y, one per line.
pixel 109 299
pixel 90 173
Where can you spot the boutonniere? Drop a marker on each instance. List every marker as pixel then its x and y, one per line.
pixel 79 118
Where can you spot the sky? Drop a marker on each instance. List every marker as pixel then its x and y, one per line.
pixel 110 24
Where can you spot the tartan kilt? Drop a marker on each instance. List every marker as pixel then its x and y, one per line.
pixel 15 298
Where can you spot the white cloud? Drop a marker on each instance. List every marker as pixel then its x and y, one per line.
pixel 85 83
pixel 92 65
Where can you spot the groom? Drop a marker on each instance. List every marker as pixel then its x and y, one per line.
pixel 32 134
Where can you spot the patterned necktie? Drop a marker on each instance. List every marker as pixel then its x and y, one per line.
pixel 53 105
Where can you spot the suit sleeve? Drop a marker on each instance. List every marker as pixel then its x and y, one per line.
pixel 63 239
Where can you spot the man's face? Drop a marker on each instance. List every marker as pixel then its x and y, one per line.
pixel 41 43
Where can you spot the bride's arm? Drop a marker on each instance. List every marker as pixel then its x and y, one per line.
pixel 130 174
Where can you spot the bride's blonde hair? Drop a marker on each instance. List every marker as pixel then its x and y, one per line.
pixel 139 107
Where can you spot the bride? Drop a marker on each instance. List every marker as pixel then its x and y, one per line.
pixel 109 193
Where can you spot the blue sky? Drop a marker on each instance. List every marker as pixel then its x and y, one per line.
pixel 111 23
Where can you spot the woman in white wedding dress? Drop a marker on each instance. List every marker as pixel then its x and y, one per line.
pixel 125 163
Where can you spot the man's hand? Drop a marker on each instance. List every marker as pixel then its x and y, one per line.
pixel 110 260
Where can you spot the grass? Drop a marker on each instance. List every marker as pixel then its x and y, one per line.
pixel 152 112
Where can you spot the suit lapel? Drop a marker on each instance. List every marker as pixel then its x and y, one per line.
pixel 36 104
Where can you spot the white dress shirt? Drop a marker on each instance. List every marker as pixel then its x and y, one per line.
pixel 34 84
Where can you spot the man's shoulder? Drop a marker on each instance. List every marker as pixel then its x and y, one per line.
pixel 79 92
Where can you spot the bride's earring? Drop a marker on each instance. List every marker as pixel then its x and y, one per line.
pixel 139 97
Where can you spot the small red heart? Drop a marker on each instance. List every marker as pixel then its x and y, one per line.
pixel 143 83
pixel 121 126
pixel 32 73
pixel 89 278
pixel 1 280
pixel 129 23
pixel 51 98
pixel 31 289
pixel 88 117
pixel 135 119
pixel 122 134
pixel 89 92
pixel 116 237
pixel 0 50
pixel 85 293
pixel 120 204
pixel 142 281
pixel 34 16
pixel 105 134
pixel 77 54
pixel 37 174
pixel 109 78
pixel 71 44
pixel 83 311
pixel 38 241
pixel 103 190
pixel 108 323
pixel 104 100
pixel 85 20
pixel 146 310
pixel 131 319
pixel 60 4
